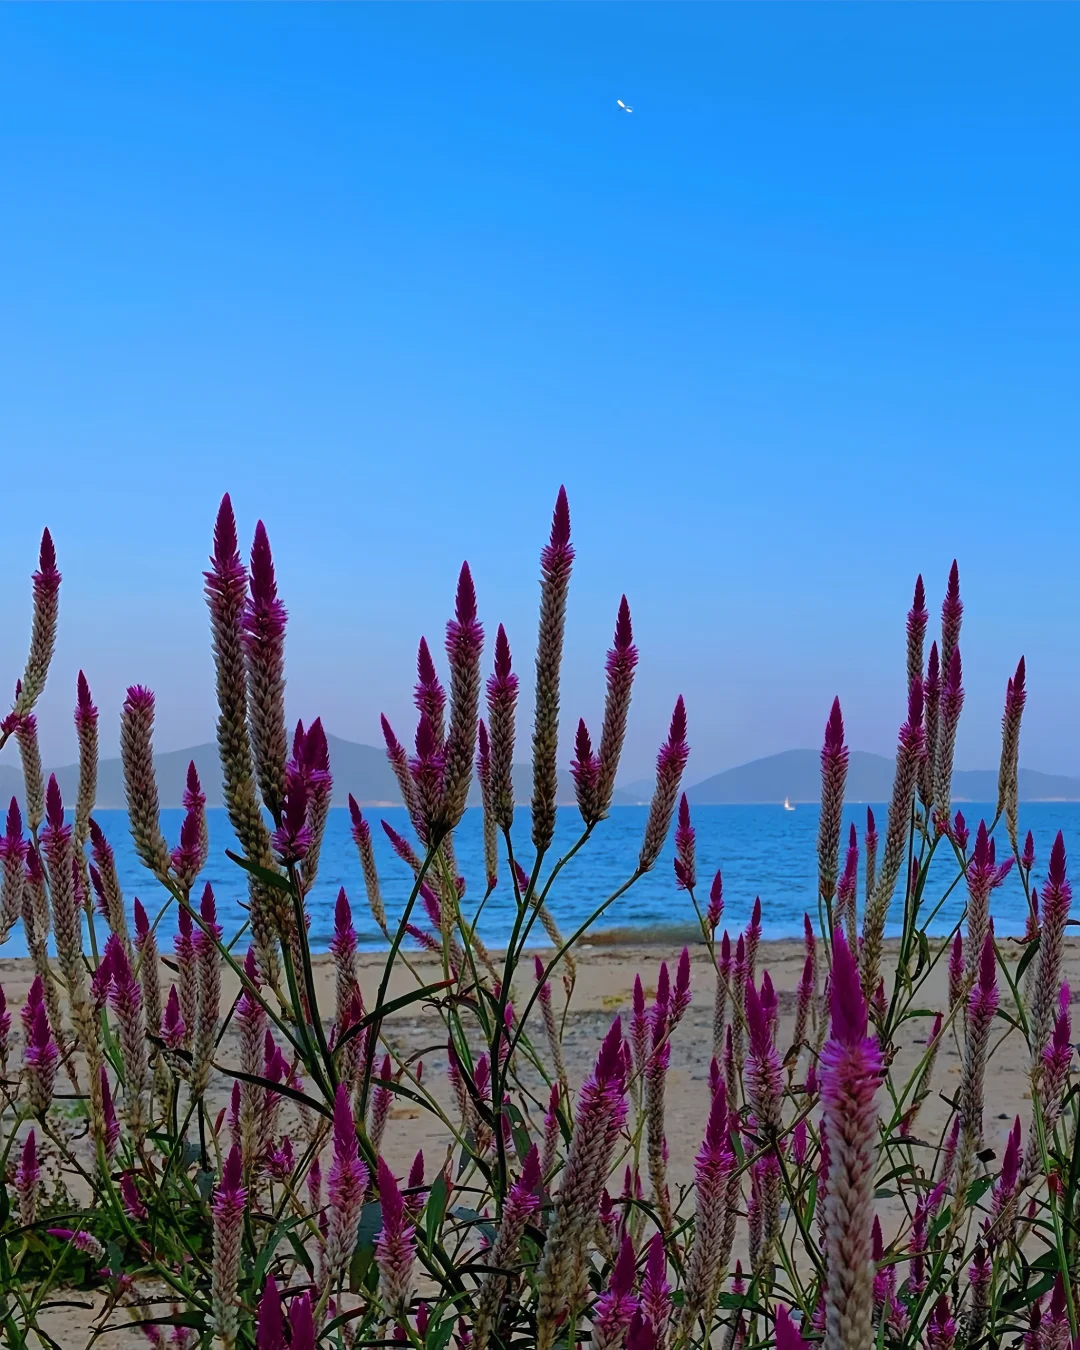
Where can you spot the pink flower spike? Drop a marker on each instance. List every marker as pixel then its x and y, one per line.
pixel 716 903
pixel 346 1185
pixel 270 1323
pixel 395 1249
pixel 301 1323
pixel 785 1332
pixel 685 862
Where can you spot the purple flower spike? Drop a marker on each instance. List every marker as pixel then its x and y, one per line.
pixel 952 613
pixel 670 763
pixel 395 1245
pixel 916 631
pixel 301 1323
pixel 931 721
pixel 785 1332
pixel 502 692
pixel 427 768
pixel 228 1214
pixel 585 768
pixel 27 1180
pixel 270 1323
pixel 834 765
pixel 1008 789
pixel 716 903
pixel 615 1307
pixel 655 1289
pixel 346 1185
pixel 293 837
pixel 685 861
pixel 429 695
pixel 556 561
pixel 464 644
pixel 952 703
pixel 622 661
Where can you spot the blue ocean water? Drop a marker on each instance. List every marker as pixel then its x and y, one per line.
pixel 761 850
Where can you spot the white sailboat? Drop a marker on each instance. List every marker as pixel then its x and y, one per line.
pixel 787 805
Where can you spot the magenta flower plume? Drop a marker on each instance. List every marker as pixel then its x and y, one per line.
pixel 1008 794
pixel 395 1246
pixel 847 888
pixel 428 693
pixel 39 1059
pixel 670 763
pixel 851 1069
pixel 522 1204
pixel 502 692
pixel 931 722
pixel 983 876
pixel 1054 907
pixel 916 632
pixel 952 703
pixel 870 843
pixel 381 1100
pixel 982 1008
pixel 399 764
pixel 140 781
pixel 361 833
pixel 556 561
pixel 585 769
pixel 952 613
pixel 621 663
pixel 685 862
pixel 615 1308
pixel 716 903
pixel 764 1088
pixel 464 644
pixel 960 831
pixel 111 1131
pixel 46 586
pixel 228 1222
pixel 711 1244
pixel 270 1323
pixel 343 948
pixel 264 648
pixel 125 998
pixel 208 1000
pixel 427 769
pixel 1027 858
pixel 25 728
pixel 173 1030
pixel 293 837
pixel 86 730
pixel 941 1326
pixel 56 844
pixel 5 1033
pixel 909 752
pixel 27 1180
pixel 601 1112
pixel 187 857
pixel 1004 1192
pixel 13 850
pixel 834 765
pixel 301 1323
pixel 785 1333
pixel 656 1298
pixel 346 1185
pixel 106 883
pixel 194 802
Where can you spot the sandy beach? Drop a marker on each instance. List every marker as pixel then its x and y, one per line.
pixel 605 978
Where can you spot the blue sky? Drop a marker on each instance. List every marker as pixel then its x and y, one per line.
pixel 803 324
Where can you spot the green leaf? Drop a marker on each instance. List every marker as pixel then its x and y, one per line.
pixel 1027 958
pixel 205 1182
pixel 395 1005
pixel 263 874
pixel 364 1251
pixel 435 1208
pixel 470 1216
pixel 1015 1299
pixel 283 1089
pixel 439 1336
pixel 114 1258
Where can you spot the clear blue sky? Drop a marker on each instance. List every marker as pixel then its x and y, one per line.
pixel 803 324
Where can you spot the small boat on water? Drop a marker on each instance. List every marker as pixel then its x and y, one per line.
pixel 787 805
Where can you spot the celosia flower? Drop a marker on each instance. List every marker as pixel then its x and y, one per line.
pixel 270 1323
pixel 5 1033
pixel 851 1068
pixel 491 826
pixel 803 998
pixel 847 888
pixel 106 882
pixel 111 1131
pixel 149 978
pixel 25 728
pixel 86 729
pixel 601 1111
pixel 343 950
pixel 395 1246
pixel 710 1248
pixel 952 613
pixel 1056 899
pixel 723 984
pixel 556 561
pixel 426 767
pixel 301 1323
pixel 129 1194
pixel 982 1007
pixel 960 831
pixel 870 843
pixel 346 1185
pixel 551 1027
pixel 956 970
pixel 522 1203
pixel 264 648
pixel 1003 1197
pixel 952 703
pixel 293 837
pixel 834 764
pixel 552 1131
pixel 615 1308
pixel 230 1199
pixel 194 803
pixel 941 1327
pixel 670 763
pixel 685 866
pixel 173 1030
pixel 13 850
pixel 186 858
pixel 399 764
pixel 381 1101
pixel 621 662
pixel 1052 1082
pixel 502 692
pixel 1008 799
pixel 140 781
pixel 57 846
pixel 983 876
pixel 1027 860
pixel 208 966
pixel 753 937
pixel 81 1240
pixel 39 1061
pixel 27 1181
pixel 126 1000
pixel 361 833
pixel 910 748
pixel 584 769
pixel 46 582
pixel 464 644
pixel 716 903
pixel 656 1291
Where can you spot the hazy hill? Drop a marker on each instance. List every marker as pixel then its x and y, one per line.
pixel 796 774
pixel 359 769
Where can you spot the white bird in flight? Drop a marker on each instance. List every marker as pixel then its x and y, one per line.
pixel 623 106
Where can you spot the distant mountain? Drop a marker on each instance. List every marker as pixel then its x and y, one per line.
pixel 796 774
pixel 359 769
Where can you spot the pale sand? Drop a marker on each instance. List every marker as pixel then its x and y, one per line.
pixel 604 987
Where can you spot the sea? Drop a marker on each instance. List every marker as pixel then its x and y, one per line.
pixel 764 851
